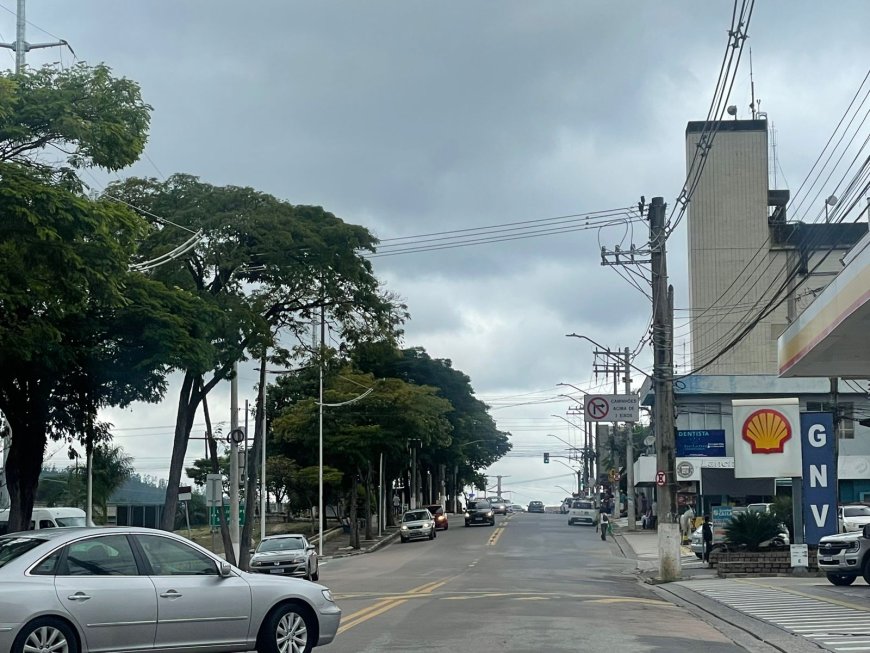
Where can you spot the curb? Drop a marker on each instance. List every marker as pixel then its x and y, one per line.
pixel 384 541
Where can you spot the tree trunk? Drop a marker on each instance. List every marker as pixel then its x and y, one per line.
pixel 23 467
pixel 26 452
pixel 251 495
pixel 368 501
pixel 354 528
pixel 188 402
pixel 229 552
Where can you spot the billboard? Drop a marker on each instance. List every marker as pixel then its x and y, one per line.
pixel 767 441
pixel 819 476
pixel 701 443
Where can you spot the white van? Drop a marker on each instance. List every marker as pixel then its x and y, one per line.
pixel 49 518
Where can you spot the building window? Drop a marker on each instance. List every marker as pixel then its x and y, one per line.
pixel 847 423
pixel 702 416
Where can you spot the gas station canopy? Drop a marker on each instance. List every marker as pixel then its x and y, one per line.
pixel 831 338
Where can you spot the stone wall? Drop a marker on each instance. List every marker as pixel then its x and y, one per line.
pixel 763 563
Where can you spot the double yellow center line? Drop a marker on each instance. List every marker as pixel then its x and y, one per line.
pixel 499 530
pixel 384 605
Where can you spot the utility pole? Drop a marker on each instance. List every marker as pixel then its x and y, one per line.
pixel 20 45
pixel 629 453
pixel 662 337
pixel 234 461
pixel 414 475
pixel 663 375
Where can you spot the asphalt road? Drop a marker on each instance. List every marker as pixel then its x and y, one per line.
pixel 532 583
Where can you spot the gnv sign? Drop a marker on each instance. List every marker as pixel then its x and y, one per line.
pixel 819 476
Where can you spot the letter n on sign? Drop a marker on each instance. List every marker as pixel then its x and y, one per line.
pixel 819 476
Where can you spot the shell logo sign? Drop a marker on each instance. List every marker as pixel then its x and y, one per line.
pixel 767 441
pixel 766 430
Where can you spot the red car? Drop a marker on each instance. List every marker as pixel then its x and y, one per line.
pixel 440 518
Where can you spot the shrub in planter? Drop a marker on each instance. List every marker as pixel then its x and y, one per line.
pixel 748 530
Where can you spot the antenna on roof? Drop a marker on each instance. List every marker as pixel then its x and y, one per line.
pixel 752 85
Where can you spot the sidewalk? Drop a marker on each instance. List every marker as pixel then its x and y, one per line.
pixel 643 547
pixel 336 543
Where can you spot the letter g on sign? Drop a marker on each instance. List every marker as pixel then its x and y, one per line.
pixel 817 435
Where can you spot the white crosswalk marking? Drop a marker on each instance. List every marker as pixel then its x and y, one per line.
pixel 836 627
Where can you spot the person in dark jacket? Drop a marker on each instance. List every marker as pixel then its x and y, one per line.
pixel 707 537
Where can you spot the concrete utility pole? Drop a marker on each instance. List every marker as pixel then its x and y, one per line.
pixel 414 475
pixel 234 461
pixel 5 441
pixel 629 453
pixel 663 381
pixel 20 45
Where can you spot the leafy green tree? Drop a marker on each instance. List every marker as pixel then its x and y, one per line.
pixel 750 529
pixel 79 331
pixel 476 442
pixel 201 468
pixel 263 265
pixel 281 473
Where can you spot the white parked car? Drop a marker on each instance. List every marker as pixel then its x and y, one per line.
pixel 583 511
pixel 852 518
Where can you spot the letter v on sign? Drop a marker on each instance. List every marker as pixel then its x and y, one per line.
pixel 820 517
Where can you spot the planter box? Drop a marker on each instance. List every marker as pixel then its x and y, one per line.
pixel 762 563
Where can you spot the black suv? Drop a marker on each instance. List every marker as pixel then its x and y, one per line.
pixel 479 512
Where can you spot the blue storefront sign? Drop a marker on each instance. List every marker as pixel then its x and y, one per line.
pixel 819 476
pixel 700 443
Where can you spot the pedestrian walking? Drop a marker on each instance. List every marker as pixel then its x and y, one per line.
pixel 397 504
pixel 707 536
pixel 604 524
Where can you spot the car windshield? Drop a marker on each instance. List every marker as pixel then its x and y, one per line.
pixel 12 547
pixel 281 544
pixel 478 505
pixel 857 511
pixel 419 515
pixel 70 522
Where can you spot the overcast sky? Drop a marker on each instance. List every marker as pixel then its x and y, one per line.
pixel 412 118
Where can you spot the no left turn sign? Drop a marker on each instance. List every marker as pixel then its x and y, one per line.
pixel 598 408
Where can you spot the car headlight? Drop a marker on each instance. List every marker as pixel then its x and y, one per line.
pixel 328 596
pixel 467 515
pixel 489 514
pixel 296 561
pixel 404 528
pixel 854 546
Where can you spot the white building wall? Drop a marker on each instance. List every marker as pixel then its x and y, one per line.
pixel 727 224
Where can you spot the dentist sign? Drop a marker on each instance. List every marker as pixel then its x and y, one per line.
pixel 819 476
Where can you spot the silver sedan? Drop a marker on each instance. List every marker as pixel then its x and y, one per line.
pixel 85 590
pixel 287 555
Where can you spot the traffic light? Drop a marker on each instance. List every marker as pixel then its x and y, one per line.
pixel 546 458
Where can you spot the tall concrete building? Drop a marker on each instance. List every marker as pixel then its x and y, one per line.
pixel 741 243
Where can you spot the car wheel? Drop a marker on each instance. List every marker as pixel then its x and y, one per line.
pixel 290 628
pixel 46 634
pixel 467 524
pixel 840 579
pixel 866 571
pixel 446 526
pixel 404 540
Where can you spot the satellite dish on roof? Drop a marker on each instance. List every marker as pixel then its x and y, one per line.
pixel 649 440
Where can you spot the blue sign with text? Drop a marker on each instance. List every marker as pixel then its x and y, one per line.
pixel 819 476
pixel 700 443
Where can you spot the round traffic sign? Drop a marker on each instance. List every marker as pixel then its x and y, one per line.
pixel 598 407
pixel 661 479
pixel 237 436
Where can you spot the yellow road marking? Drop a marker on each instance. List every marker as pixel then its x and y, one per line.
pixel 493 539
pixel 385 605
pixel 844 604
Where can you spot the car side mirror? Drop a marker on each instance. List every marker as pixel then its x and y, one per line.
pixel 252 551
pixel 866 532
pixel 225 569
pixel 310 547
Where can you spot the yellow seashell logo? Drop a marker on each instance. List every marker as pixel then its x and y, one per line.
pixel 767 431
